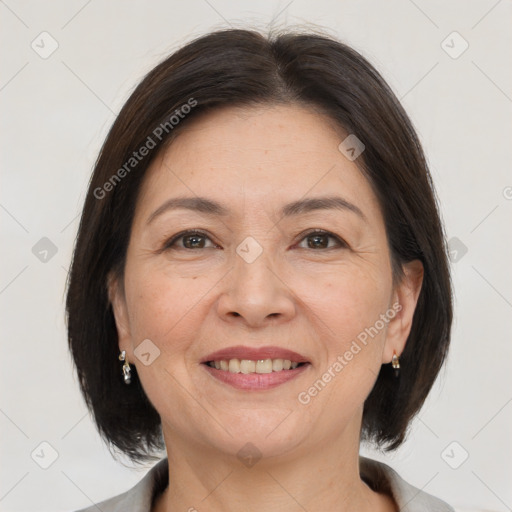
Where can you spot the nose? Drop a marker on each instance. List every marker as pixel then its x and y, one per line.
pixel 256 293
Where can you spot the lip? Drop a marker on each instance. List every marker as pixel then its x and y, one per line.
pixel 254 354
pixel 255 381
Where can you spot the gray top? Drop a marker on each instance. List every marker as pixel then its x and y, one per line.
pixel 379 476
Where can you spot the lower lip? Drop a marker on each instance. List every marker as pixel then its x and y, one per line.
pixel 256 381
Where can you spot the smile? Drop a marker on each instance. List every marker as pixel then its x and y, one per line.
pixel 254 369
pixel 247 366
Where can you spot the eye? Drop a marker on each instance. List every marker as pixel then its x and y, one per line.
pixel 319 239
pixel 191 240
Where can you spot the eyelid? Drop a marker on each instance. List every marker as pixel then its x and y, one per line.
pixel 168 244
pixel 314 231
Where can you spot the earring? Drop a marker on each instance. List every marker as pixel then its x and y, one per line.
pixel 396 364
pixel 127 371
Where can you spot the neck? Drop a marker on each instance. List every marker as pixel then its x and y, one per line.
pixel 321 477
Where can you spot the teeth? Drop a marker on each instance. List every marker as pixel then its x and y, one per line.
pixel 277 365
pixel 249 366
pixel 264 366
pixel 234 366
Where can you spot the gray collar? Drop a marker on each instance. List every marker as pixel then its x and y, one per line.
pixel 379 476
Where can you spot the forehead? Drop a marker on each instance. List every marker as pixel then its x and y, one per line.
pixel 261 155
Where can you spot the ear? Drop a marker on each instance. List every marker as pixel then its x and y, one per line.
pixel 406 295
pixel 117 299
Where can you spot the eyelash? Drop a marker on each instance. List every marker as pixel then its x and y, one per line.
pixel 172 241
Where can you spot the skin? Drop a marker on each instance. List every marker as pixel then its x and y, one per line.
pixel 297 294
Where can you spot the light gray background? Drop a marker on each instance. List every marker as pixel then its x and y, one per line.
pixel 55 113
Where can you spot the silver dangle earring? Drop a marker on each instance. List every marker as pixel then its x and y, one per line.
pixel 127 371
pixel 395 363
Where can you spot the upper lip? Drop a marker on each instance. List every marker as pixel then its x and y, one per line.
pixel 254 354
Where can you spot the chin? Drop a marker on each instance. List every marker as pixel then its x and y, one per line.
pixel 266 432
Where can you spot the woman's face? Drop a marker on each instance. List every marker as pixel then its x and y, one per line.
pixel 256 283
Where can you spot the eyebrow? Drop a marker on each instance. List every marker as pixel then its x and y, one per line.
pixel 295 208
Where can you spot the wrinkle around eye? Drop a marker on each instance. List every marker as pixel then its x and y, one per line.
pixel 341 236
pixel 176 241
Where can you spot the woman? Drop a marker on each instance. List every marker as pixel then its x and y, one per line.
pixel 260 280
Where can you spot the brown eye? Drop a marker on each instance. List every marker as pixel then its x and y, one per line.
pixel 320 240
pixel 190 240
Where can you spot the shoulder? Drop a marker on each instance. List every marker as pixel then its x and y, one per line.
pixel 140 497
pixel 383 478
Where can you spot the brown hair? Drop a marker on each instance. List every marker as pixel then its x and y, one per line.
pixel 243 67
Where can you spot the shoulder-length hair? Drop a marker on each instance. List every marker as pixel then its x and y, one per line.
pixel 246 68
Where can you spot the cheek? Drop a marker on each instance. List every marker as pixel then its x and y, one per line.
pixel 347 311
pixel 160 304
pixel 337 300
pixel 347 306
pixel 348 298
